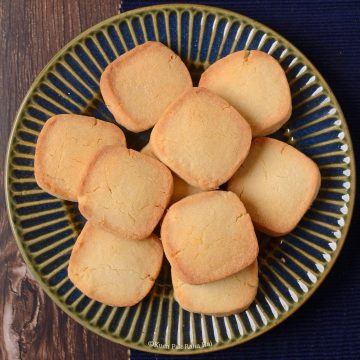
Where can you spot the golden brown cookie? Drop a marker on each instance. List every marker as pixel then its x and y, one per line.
pixel 201 138
pixel 181 187
pixel 208 236
pixel 277 185
pixel 66 145
pixel 112 269
pixel 125 192
pixel 139 85
pixel 223 297
pixel 256 85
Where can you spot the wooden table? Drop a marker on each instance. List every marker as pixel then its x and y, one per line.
pixel 32 327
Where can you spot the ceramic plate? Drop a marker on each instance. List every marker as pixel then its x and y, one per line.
pixel 291 267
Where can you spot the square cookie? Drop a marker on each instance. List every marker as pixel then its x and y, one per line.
pixel 223 297
pixel 139 85
pixel 125 192
pixel 201 138
pixel 256 85
pixel 113 269
pixel 66 145
pixel 277 184
pixel 208 236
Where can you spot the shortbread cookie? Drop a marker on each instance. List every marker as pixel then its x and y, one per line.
pixel 66 145
pixel 181 187
pixel 112 269
pixel 139 85
pixel 220 298
pixel 201 138
pixel 208 236
pixel 277 184
pixel 125 191
pixel 256 85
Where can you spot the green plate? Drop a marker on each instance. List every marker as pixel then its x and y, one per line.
pixel 290 268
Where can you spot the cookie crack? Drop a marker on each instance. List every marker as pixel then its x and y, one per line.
pixel 239 217
pixel 246 56
pixel 107 180
pixel 84 271
pixel 178 252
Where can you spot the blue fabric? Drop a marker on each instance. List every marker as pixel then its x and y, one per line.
pixel 328 325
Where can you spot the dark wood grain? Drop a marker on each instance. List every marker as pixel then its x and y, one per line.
pixel 32 327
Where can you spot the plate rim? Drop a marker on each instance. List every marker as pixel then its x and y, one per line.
pixel 17 236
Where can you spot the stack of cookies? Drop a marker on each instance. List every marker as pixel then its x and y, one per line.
pixel 202 138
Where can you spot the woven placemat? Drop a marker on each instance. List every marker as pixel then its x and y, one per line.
pixel 328 325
